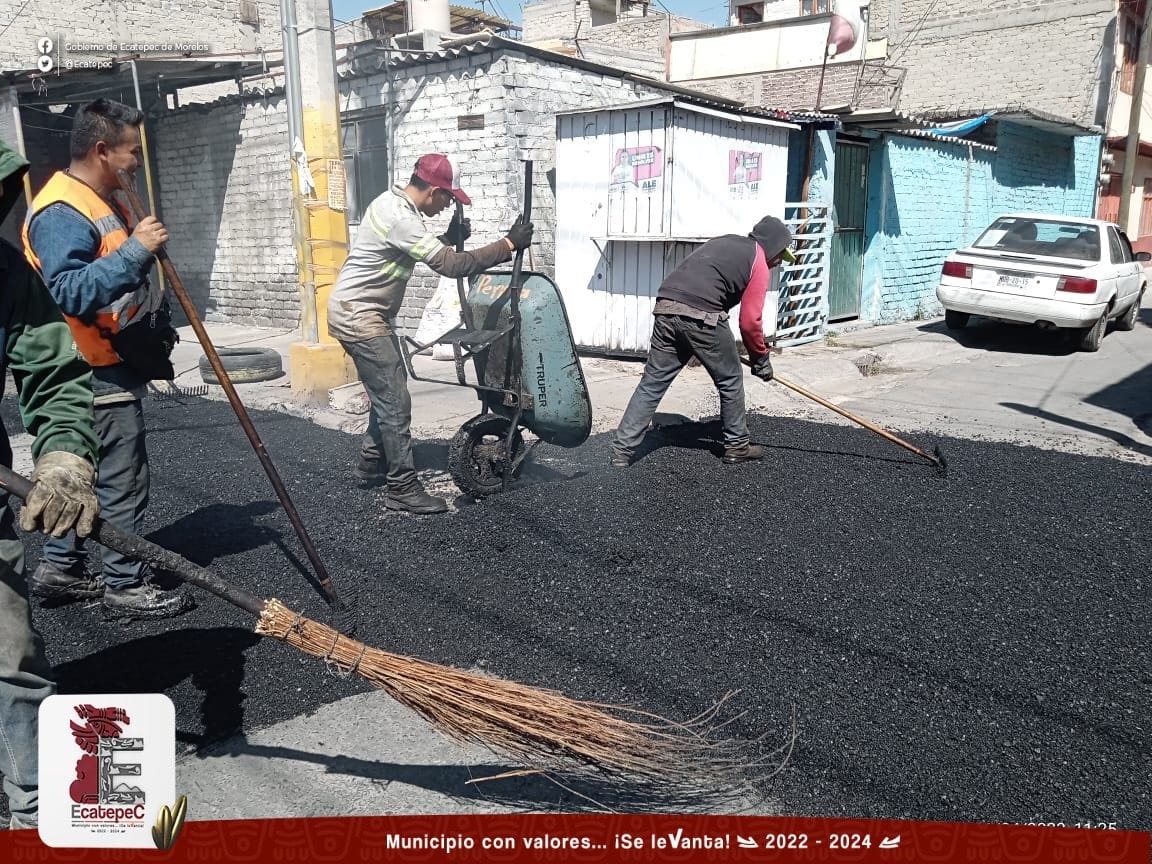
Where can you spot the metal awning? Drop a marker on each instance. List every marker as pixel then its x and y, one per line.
pixel 735 114
pixel 1020 115
pixel 157 78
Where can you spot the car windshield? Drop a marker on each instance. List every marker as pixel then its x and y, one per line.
pixel 1048 237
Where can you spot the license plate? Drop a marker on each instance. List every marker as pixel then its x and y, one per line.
pixel 1009 280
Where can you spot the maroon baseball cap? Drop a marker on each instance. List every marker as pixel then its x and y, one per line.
pixel 435 168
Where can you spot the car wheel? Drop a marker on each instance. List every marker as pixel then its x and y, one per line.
pixel 1127 321
pixel 954 320
pixel 1091 338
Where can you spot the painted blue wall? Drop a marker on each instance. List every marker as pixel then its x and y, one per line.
pixel 927 198
pixel 823 164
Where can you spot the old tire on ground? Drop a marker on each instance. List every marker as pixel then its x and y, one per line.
pixel 954 320
pixel 474 455
pixel 1090 339
pixel 244 365
pixel 1127 321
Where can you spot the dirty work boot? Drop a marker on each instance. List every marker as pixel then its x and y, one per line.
pixel 620 458
pixel 413 499
pixel 370 472
pixel 146 601
pixel 53 584
pixel 745 452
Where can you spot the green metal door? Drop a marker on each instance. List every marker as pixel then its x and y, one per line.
pixel 850 196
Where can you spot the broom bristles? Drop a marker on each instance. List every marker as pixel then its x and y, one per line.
pixel 540 728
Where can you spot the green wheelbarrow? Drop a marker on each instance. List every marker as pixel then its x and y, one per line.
pixel 527 375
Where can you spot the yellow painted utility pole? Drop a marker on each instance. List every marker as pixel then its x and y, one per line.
pixel 318 363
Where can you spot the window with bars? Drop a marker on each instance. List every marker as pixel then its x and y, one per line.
pixel 814 7
pixel 366 166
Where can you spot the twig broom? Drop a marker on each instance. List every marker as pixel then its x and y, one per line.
pixel 542 729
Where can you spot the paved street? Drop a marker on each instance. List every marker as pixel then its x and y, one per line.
pixel 972 647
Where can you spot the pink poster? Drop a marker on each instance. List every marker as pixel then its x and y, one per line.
pixel 639 168
pixel 744 172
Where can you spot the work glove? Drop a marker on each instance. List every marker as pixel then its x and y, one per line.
pixel 520 234
pixel 459 230
pixel 62 498
pixel 762 368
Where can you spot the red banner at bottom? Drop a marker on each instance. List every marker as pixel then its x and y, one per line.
pixel 612 838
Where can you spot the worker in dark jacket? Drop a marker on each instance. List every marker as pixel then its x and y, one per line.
pixel 691 315
pixel 55 391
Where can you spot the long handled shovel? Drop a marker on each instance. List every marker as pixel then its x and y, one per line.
pixel 345 617
pixel 936 457
pixel 543 729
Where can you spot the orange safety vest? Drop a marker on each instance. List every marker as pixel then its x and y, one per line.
pixel 113 226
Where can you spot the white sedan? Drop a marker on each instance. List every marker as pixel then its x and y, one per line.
pixel 1053 271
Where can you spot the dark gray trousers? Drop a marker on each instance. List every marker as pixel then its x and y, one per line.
pixel 122 483
pixel 389 437
pixel 675 340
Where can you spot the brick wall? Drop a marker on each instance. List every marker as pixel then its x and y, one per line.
pixel 1045 54
pixel 519 96
pixel 549 19
pixel 634 42
pixel 927 199
pixel 215 22
pixel 424 102
pixel 225 195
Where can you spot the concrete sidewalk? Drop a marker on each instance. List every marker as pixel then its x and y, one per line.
pixel 835 368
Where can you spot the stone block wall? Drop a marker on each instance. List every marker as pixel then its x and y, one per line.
pixel 1047 54
pixel 518 95
pixel 224 186
pixel 216 23
pixel 633 42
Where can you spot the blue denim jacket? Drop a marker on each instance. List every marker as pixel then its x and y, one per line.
pixel 67 245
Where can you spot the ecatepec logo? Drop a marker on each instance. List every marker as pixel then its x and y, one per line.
pixel 107 768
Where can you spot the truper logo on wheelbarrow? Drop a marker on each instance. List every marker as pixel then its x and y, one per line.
pixel 107 768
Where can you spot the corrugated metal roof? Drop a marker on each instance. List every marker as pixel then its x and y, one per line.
pixel 753 116
pixel 480 44
pixel 1021 114
pixel 944 139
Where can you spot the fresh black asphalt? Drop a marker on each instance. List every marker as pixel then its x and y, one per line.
pixel 968 647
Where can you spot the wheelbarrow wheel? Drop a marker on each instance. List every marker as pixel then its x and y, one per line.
pixel 475 456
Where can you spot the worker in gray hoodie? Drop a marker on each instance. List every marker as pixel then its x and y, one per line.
pixel 691 320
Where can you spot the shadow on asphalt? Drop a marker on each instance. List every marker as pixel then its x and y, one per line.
pixel 1129 396
pixel 1119 437
pixel 234 530
pixel 987 335
pixel 468 784
pixel 708 436
pixel 210 660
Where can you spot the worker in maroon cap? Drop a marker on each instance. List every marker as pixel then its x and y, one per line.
pixel 369 292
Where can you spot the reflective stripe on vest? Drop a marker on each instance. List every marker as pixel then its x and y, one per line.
pixel 90 337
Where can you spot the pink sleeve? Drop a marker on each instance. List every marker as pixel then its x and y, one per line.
pixel 752 307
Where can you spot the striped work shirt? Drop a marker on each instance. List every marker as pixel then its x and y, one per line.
pixel 391 239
